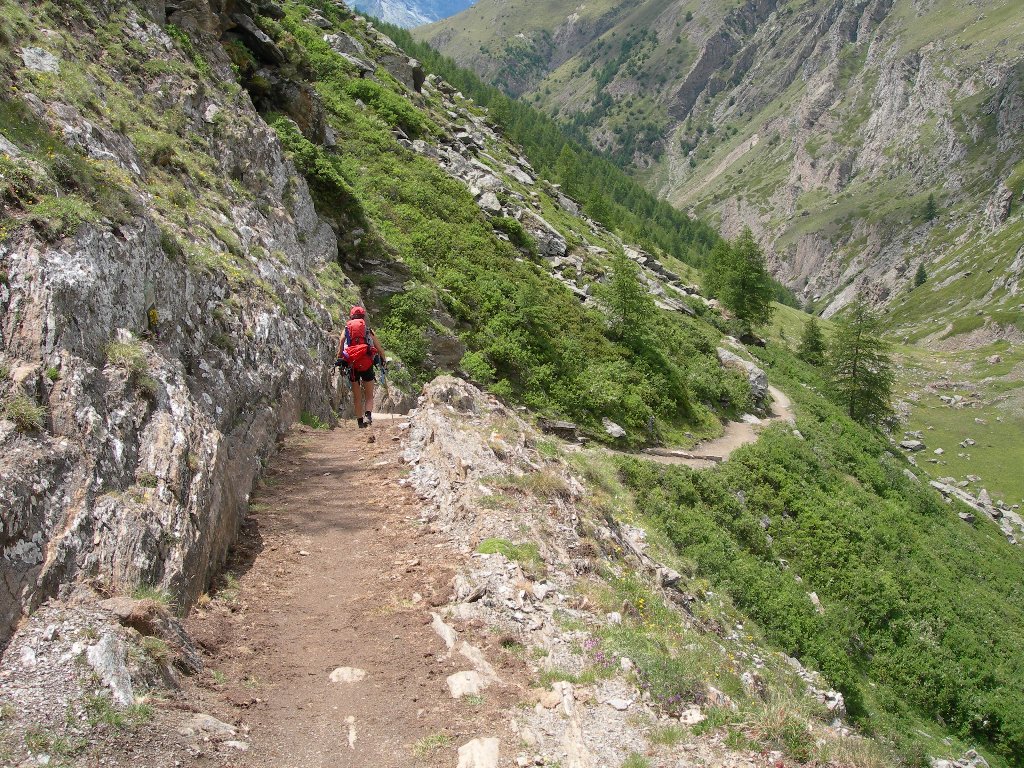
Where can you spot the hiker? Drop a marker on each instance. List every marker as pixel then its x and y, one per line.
pixel 358 351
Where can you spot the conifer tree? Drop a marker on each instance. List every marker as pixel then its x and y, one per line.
pixel 737 275
pixel 931 210
pixel 812 344
pixel 920 276
pixel 630 307
pixel 861 366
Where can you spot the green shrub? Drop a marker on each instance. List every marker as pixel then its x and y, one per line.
pixel 517 234
pixel 313 421
pixel 477 368
pixel 904 616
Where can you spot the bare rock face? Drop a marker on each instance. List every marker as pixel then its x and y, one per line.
pixel 998 209
pixel 165 382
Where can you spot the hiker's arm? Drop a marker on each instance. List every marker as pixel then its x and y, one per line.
pixel 380 349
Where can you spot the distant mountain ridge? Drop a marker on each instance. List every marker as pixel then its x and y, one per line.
pixel 412 13
pixel 825 126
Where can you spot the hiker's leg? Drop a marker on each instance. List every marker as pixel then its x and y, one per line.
pixel 357 398
pixel 369 395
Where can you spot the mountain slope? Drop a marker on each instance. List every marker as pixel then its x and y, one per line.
pixel 824 126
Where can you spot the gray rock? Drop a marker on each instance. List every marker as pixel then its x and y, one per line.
pixel 756 378
pixel 469 683
pixel 7 148
pixel 613 429
pixel 520 175
pixel 998 209
pixel 206 725
pixel 39 60
pixel 480 753
pixel 257 40
pixel 342 42
pixel 967 517
pixel 912 445
pixel 489 202
pixel 107 658
pixel 405 70
pixel 666 577
pixel 347 675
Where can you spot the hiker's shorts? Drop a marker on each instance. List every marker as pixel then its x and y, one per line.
pixel 367 375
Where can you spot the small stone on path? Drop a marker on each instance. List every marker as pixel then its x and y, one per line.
pixel 348 675
pixel 466 684
pixel 479 753
pixel 206 725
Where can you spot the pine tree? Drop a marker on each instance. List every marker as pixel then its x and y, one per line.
pixel 812 344
pixel 631 309
pixel 920 276
pixel 931 210
pixel 567 170
pixel 861 366
pixel 737 275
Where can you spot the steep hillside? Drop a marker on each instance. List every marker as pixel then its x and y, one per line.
pixel 411 13
pixel 824 126
pixel 183 208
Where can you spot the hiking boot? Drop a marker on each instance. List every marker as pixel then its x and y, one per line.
pixel 362 424
pixel 369 418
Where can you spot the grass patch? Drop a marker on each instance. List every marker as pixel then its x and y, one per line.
pixel 313 421
pixel 428 745
pixel 544 484
pixel 26 413
pixel 154 594
pixel 128 355
pixel 100 710
pixel 526 554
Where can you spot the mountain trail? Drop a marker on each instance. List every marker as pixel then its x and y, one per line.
pixel 736 435
pixel 325 647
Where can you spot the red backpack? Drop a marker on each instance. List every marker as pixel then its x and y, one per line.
pixel 360 350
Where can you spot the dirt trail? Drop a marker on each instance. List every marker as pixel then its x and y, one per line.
pixel 736 435
pixel 333 571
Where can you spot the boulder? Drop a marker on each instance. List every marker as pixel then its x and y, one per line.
pixel 912 445
pixel 756 378
pixel 107 658
pixel 405 70
pixel 342 42
pixel 998 209
pixel 564 429
pixel 613 429
pixel 257 41
pixel 480 753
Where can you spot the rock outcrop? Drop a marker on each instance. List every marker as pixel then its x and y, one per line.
pixel 168 360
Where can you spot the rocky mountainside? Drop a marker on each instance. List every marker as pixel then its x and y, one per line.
pixel 825 126
pixel 172 284
pixel 411 13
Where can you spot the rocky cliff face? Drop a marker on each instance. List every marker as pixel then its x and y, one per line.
pixel 165 351
pixel 824 127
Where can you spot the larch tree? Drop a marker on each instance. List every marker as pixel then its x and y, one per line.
pixel 861 366
pixel 737 275
pixel 812 347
